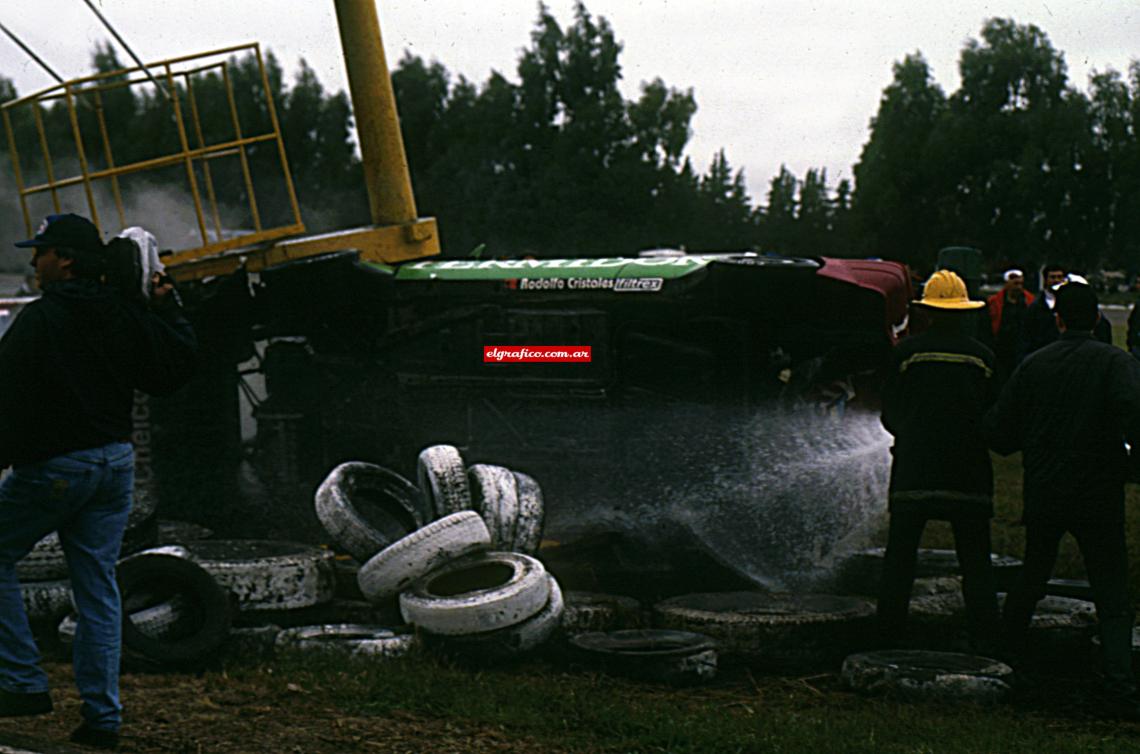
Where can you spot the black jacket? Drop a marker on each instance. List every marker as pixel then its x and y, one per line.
pixel 70 363
pixel 1069 408
pixel 1040 327
pixel 936 393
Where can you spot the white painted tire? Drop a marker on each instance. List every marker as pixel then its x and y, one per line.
pixel 494 495
pixel 365 507
pixel 479 593
pixel 654 654
pixel 394 568
pixel 264 574
pixel 509 642
pixel 532 514
pixel 159 621
pixel 45 561
pixel 442 480
pixel 781 631
pixel 47 601
pixel 921 674
pixel 347 638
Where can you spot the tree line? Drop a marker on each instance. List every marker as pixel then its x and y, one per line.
pixel 1017 161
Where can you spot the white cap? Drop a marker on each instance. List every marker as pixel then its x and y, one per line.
pixel 1012 273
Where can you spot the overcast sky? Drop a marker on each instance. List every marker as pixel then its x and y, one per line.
pixel 776 81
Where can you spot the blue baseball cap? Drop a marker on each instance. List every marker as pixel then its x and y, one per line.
pixel 70 230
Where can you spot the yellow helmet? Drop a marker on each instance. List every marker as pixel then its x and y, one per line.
pixel 945 290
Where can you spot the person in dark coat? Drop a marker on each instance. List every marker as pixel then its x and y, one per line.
pixel 1069 408
pixel 1041 325
pixel 69 368
pixel 938 388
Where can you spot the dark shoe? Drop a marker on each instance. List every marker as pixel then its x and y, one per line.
pixel 96 738
pixel 15 704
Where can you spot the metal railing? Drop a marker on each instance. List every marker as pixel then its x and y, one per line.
pixel 179 73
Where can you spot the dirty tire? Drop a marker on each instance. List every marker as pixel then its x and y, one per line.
pixel 920 674
pixel 47 601
pixel 394 568
pixel 335 611
pixel 532 514
pixel 663 655
pixel 267 574
pixel 782 631
pixel 483 592
pixel 1063 613
pixel 592 611
pixel 860 573
pixel 1076 589
pixel 443 480
pixel 348 639
pixel 152 578
pixel 505 643
pixel 45 561
pixel 161 620
pixel 365 507
pixel 494 495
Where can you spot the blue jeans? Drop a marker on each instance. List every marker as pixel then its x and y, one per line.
pixel 85 496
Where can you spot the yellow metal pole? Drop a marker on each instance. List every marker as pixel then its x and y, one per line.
pixel 174 96
pixel 47 155
pixel 374 107
pixel 110 158
pixel 244 159
pixel 16 169
pixel 82 158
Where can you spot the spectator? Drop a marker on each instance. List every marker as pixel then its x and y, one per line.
pixel 1007 309
pixel 69 366
pixel 1069 408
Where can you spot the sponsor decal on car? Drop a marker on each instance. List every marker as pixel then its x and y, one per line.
pixel 586 284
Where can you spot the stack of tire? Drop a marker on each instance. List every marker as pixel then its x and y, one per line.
pixel 457 557
pixel 192 596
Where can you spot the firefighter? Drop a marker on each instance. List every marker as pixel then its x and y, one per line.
pixel 939 387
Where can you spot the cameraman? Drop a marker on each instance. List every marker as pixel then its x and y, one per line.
pixel 69 366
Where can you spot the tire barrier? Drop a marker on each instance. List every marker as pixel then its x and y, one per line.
pixel 936 676
pixel 860 572
pixel 678 657
pixel 365 508
pixel 780 631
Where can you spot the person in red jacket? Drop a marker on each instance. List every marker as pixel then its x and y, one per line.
pixel 1008 309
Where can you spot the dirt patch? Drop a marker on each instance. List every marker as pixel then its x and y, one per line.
pixel 215 712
